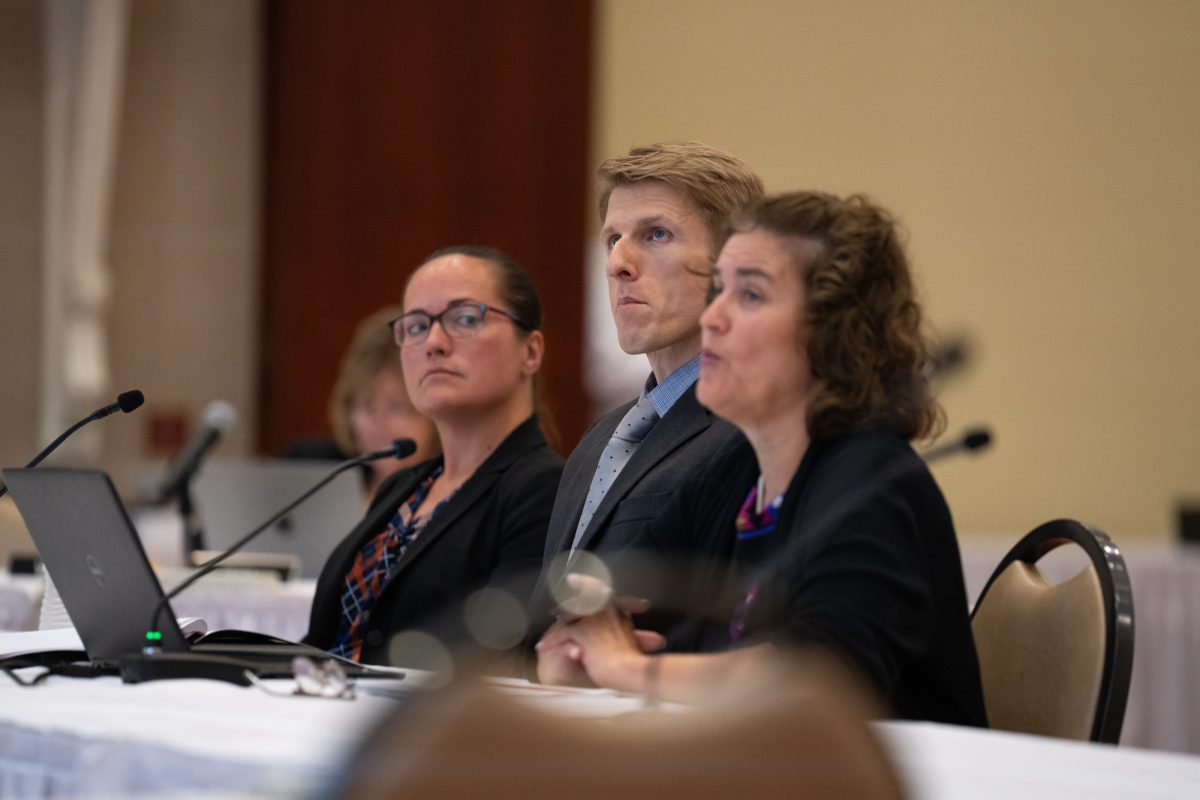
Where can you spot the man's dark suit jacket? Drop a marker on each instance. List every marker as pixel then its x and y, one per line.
pixel 491 532
pixel 650 553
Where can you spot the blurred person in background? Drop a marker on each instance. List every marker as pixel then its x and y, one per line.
pixel 370 406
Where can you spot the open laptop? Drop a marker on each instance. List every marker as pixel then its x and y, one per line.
pixel 234 496
pixel 100 569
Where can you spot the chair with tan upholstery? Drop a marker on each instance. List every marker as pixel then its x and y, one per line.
pixel 1056 659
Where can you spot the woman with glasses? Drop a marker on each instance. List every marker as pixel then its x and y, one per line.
pixel 447 554
pixel 812 345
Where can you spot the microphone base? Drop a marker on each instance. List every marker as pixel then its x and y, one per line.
pixel 51 660
pixel 159 665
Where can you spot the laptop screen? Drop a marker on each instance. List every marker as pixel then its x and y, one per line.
pixel 233 497
pixel 95 558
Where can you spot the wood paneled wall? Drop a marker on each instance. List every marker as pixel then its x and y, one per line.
pixel 396 128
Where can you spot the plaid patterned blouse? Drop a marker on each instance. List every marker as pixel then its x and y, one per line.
pixel 374 568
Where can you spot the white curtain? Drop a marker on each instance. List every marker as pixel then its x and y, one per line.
pixel 85 67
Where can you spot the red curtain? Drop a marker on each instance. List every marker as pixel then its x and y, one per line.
pixel 396 128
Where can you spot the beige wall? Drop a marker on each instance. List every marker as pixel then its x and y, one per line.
pixel 1045 158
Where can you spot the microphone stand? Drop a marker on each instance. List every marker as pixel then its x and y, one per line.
pixel 401 448
pixel 153 663
pixel 193 531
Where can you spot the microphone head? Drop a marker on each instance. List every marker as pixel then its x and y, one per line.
pixel 219 415
pixel 977 439
pixel 403 448
pixel 131 400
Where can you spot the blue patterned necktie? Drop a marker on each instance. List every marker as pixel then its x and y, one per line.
pixel 633 427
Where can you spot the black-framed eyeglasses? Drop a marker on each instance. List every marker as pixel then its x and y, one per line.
pixel 459 320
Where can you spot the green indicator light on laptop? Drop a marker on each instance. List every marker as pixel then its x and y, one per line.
pixel 153 636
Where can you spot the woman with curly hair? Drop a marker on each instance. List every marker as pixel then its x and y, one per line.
pixel 812 346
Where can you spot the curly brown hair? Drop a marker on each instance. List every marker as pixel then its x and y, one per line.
pixel 866 346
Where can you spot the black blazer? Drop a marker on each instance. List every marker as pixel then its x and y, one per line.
pixel 864 561
pixel 649 547
pixel 490 533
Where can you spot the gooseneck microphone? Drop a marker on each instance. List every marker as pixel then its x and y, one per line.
pixel 126 402
pixel 401 448
pixel 974 440
pixel 218 417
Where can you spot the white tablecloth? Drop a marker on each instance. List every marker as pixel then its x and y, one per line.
pixel 944 762
pixel 86 737
pixel 77 737
pixel 1164 697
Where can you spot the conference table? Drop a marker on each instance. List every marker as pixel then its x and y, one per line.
pixel 69 737
pixel 74 737
pixel 1164 699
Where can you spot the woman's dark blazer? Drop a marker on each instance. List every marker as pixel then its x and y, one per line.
pixel 491 532
pixel 864 560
